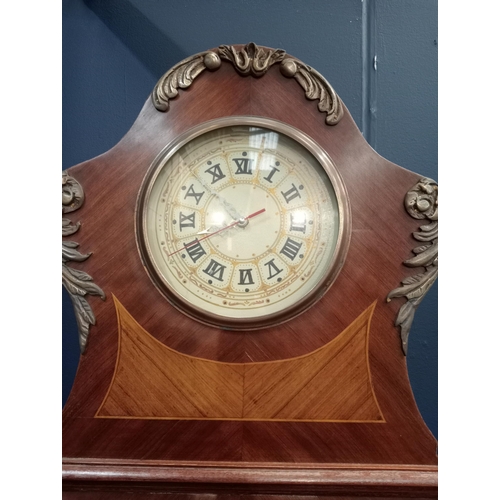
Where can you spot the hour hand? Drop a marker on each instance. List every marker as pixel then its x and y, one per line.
pixel 227 206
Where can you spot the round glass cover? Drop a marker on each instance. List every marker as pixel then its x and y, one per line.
pixel 242 223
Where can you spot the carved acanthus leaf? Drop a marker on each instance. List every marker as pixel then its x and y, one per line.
pixel 421 202
pixel 77 283
pixel 315 87
pixel 69 252
pixel 182 76
pixel 68 228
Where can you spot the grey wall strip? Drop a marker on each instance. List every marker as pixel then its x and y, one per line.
pixel 369 68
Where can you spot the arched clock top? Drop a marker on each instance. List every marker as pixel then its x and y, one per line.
pixel 250 60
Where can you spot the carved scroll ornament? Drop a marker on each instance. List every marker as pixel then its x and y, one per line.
pixel 182 76
pixel 421 202
pixel 249 60
pixel 315 87
pixel 77 283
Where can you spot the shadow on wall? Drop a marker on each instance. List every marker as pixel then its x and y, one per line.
pixel 139 34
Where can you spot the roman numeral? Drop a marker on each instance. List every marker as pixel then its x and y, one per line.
pixel 292 193
pixel 243 166
pixel 291 248
pixel 215 270
pixel 216 172
pixel 270 175
pixel 191 192
pixel 194 250
pixel 298 223
pixel 186 220
pixel 246 277
pixel 273 269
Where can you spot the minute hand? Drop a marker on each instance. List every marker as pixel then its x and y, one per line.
pixel 227 206
pixel 239 221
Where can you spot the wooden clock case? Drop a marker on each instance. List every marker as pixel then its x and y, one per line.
pixel 318 405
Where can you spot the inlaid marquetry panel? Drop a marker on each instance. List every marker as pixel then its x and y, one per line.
pixel 153 381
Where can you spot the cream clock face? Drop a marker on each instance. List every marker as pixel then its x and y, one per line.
pixel 241 225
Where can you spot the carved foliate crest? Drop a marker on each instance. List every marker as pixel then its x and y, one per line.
pixel 249 60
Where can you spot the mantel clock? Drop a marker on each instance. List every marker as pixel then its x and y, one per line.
pixel 240 225
pixel 236 318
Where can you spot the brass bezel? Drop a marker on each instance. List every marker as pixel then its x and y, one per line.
pixel 265 321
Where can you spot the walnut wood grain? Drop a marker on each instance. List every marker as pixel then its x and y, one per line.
pixel 381 240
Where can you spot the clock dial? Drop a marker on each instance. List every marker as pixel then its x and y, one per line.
pixel 242 226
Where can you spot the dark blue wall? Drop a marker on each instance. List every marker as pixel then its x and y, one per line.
pixel 114 51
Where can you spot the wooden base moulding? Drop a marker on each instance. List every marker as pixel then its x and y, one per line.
pixel 307 479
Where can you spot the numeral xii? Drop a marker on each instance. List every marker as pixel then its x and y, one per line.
pixel 243 166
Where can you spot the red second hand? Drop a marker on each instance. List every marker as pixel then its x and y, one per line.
pixel 262 210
